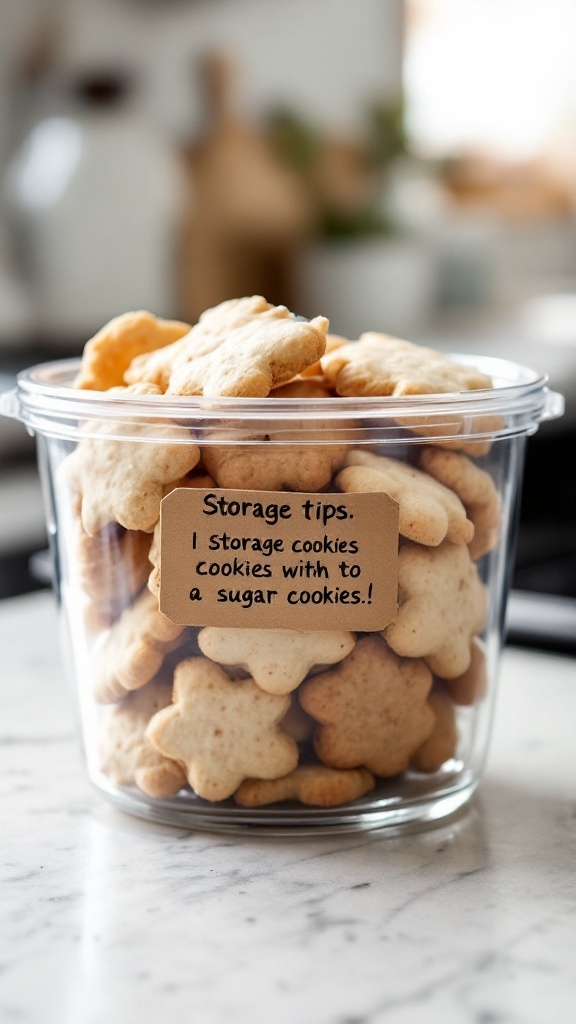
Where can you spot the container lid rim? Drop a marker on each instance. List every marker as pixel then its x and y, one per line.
pixel 46 389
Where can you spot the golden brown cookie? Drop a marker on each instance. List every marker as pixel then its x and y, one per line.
pixel 333 341
pixel 277 659
pixel 296 723
pixel 472 685
pixel 109 353
pixel 111 567
pixel 379 364
pixel 442 605
pixel 134 650
pixel 126 756
pixel 475 489
pixel 222 731
pixel 124 481
pixel 428 511
pixel 253 360
pixel 267 467
pixel 371 710
pixel 212 329
pixel 313 784
pixel 196 480
pixel 303 387
pixel 443 740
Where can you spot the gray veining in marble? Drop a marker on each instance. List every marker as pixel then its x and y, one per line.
pixel 109 920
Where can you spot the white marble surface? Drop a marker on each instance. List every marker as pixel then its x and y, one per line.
pixel 109 920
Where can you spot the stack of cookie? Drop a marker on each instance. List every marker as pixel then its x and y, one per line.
pixel 267 715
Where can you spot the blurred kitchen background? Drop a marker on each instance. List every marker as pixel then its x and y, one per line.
pixel 403 165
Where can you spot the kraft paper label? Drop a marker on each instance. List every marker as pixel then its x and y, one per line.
pixel 279 560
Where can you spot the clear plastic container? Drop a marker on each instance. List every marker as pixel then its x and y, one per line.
pixel 382 703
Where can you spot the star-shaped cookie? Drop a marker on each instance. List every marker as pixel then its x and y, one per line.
pixel 379 364
pixel 133 651
pixel 253 359
pixel 124 481
pixel 428 511
pixel 222 731
pixel 212 329
pixel 268 467
pixel 371 710
pixel 442 605
pixel 126 756
pixel 475 489
pixel 277 659
pixel 109 353
pixel 443 740
pixel 311 784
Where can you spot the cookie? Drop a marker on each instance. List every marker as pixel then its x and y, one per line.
pixel 134 650
pixel 212 329
pixel 472 685
pixel 111 567
pixel 428 511
pixel 371 710
pixel 313 784
pixel 379 364
pixel 296 723
pixel 277 659
pixel 196 480
pixel 442 605
pixel 267 467
pixel 222 731
pixel 109 353
pixel 124 481
pixel 126 756
pixel 303 387
pixel 475 489
pixel 452 431
pixel 253 360
pixel 333 341
pixel 443 740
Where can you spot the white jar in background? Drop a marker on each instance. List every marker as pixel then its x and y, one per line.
pixel 389 283
pixel 96 198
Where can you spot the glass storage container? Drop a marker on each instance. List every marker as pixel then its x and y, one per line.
pixel 308 638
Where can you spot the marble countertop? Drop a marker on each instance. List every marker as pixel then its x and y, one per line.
pixel 110 920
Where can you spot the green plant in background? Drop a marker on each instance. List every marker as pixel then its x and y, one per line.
pixel 358 167
pixel 295 141
pixel 338 225
pixel 387 134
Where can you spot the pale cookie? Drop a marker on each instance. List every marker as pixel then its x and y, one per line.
pixel 267 467
pixel 475 489
pixel 428 511
pixel 253 359
pixel 371 710
pixel 277 659
pixel 313 784
pixel 126 756
pixel 196 481
pixel 109 353
pixel 111 566
pixel 124 481
pixel 442 604
pixel 472 685
pixel 443 740
pixel 134 650
pixel 212 329
pixel 379 364
pixel 222 731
